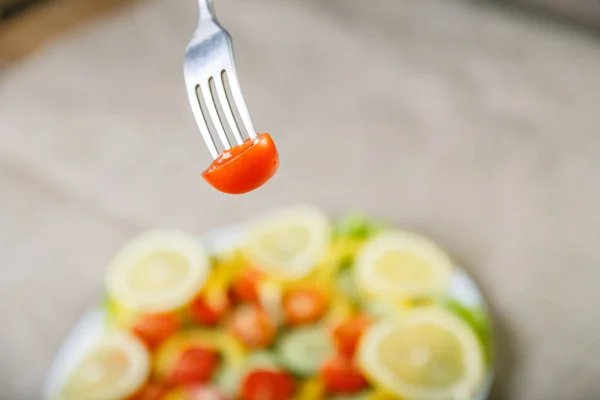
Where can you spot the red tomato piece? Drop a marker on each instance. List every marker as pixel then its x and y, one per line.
pixel 155 328
pixel 304 306
pixel 253 327
pixel 245 288
pixel 268 385
pixel 208 311
pixel 244 168
pixel 151 391
pixel 341 376
pixel 195 365
pixel 348 333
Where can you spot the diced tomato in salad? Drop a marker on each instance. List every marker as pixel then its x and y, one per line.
pixel 246 287
pixel 194 365
pixel 341 376
pixel 268 385
pixel 153 329
pixel 151 391
pixel 208 310
pixel 304 306
pixel 253 326
pixel 347 334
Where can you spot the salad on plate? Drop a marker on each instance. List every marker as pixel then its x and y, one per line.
pixel 291 305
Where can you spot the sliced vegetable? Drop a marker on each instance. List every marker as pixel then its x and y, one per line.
pixel 263 360
pixel 264 384
pixel 229 378
pixel 195 365
pixel 152 391
pixel 303 350
pixel 158 272
pixel 245 288
pixel 155 328
pixel 303 306
pixel 253 327
pixel 115 366
pixel 208 309
pixel 244 168
pixel 399 265
pixel 288 244
pixel 348 333
pixel 231 351
pixel 428 353
pixel 341 376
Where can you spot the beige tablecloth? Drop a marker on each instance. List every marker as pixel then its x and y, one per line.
pixel 478 127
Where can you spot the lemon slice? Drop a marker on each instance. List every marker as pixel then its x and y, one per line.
pixel 157 272
pixel 425 354
pixel 289 243
pixel 397 264
pixel 114 367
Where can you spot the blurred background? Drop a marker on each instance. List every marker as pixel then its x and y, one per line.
pixel 475 122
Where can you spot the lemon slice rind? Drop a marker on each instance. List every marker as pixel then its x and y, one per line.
pixel 313 221
pixel 472 355
pixel 122 268
pixel 131 381
pixel 439 263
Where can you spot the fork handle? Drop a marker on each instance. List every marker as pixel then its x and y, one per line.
pixel 206 9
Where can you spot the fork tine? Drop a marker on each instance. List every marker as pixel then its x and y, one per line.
pixel 226 107
pixel 201 122
pixel 204 90
pixel 238 99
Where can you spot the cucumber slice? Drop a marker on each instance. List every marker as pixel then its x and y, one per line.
pixel 304 350
pixel 262 359
pixel 228 380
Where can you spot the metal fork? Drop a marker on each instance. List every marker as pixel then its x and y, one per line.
pixel 208 62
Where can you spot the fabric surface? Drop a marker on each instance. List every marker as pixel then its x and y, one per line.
pixel 475 126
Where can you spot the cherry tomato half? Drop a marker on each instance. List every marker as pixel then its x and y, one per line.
pixel 253 326
pixel 208 310
pixel 245 288
pixel 341 376
pixel 195 365
pixel 268 385
pixel 244 168
pixel 304 306
pixel 347 334
pixel 155 328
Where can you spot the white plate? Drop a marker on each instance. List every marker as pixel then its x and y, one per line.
pixel 463 289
